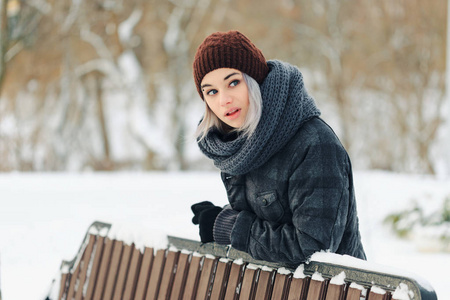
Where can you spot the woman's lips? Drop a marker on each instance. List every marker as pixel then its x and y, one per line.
pixel 233 113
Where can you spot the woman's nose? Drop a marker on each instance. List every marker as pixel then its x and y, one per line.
pixel 225 98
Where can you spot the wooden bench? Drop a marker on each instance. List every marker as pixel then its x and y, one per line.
pixel 106 268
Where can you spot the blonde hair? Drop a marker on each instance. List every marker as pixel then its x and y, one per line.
pixel 210 120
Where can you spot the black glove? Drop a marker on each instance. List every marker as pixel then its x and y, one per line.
pixel 205 214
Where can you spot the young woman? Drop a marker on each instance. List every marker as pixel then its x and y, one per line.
pixel 287 176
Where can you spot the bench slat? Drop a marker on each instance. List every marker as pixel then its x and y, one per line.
pixel 193 277
pixel 72 281
pixel 122 272
pixel 144 274
pixel 155 275
pixel 265 285
pixel 220 280
pixel 168 275
pixel 179 282
pixel 353 294
pixel 335 292
pixel 113 268
pixel 235 278
pixel 84 266
pixel 248 284
pixel 205 278
pixel 133 273
pixel 95 267
pixel 316 290
pixel 298 288
pixel 281 286
pixel 62 285
pixel 73 277
pixel 104 267
pixel 375 296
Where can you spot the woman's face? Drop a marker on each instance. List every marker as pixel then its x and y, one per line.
pixel 226 94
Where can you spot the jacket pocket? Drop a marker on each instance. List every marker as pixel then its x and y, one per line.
pixel 269 206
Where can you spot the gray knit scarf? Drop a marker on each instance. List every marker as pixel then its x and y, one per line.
pixel 286 106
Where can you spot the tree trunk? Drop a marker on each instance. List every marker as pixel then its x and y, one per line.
pixel 3 40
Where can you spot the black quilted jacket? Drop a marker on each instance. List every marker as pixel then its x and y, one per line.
pixel 299 202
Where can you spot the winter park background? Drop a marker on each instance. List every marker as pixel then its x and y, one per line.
pixel 98 111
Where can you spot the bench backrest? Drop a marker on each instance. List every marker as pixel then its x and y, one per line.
pixel 111 269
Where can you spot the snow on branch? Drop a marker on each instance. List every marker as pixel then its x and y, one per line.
pixel 125 29
pixel 97 42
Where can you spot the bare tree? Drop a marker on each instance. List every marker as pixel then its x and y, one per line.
pixel 3 38
pixel 408 70
pixel 381 64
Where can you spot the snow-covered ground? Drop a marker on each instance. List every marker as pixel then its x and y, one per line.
pixel 44 217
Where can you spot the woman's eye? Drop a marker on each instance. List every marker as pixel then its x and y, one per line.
pixel 211 92
pixel 234 82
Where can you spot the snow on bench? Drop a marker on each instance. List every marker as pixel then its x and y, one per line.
pixel 116 263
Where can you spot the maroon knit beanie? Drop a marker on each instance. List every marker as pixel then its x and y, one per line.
pixel 229 50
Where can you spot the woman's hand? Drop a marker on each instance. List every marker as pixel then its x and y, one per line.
pixel 205 214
